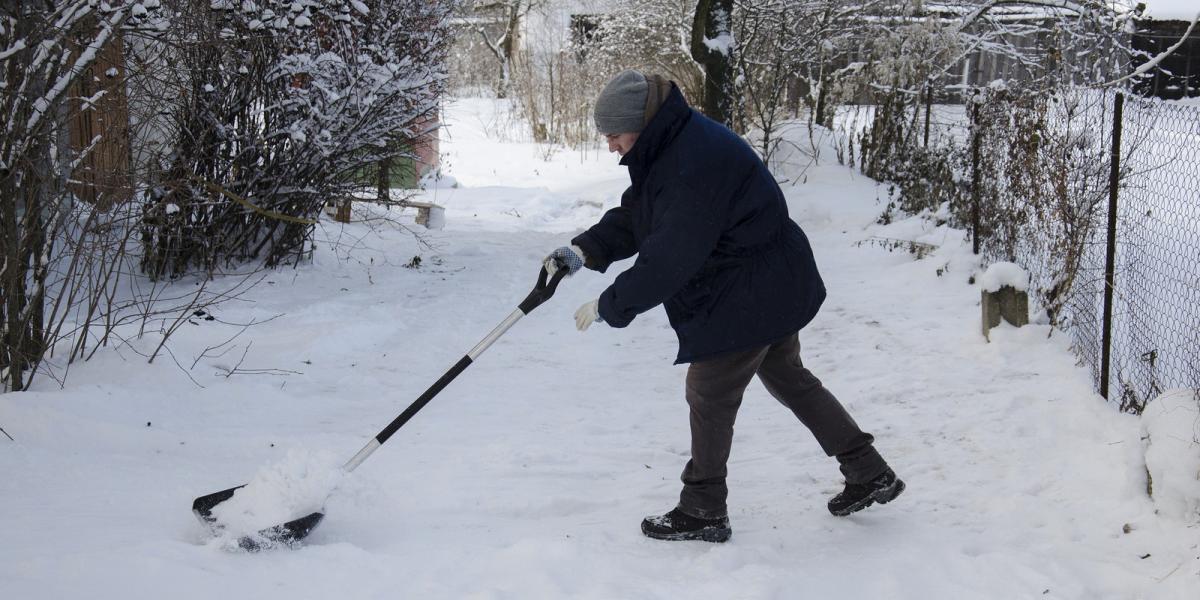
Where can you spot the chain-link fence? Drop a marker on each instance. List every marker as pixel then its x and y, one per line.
pixel 1156 293
pixel 1046 185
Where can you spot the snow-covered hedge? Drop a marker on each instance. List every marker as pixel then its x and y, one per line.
pixel 1171 430
pixel 280 107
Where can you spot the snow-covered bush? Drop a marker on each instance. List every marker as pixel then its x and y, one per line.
pixel 233 122
pixel 1040 174
pixel 1171 430
pixel 280 107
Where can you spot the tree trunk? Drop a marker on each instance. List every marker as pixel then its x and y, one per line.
pixel 383 183
pixel 509 48
pixel 10 280
pixel 22 188
pixel 712 47
pixel 822 100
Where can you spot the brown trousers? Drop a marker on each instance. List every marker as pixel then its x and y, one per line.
pixel 714 393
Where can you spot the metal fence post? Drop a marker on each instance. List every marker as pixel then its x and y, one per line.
pixel 975 134
pixel 928 109
pixel 1114 180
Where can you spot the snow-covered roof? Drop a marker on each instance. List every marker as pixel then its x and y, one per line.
pixel 1173 10
pixel 1018 11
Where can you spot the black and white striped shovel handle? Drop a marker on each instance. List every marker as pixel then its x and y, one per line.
pixel 541 293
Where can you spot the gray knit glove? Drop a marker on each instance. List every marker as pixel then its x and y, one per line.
pixel 570 258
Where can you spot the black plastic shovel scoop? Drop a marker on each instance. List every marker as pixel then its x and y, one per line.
pixel 291 532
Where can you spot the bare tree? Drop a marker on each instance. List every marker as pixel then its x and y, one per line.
pixel 794 53
pixel 506 47
pixel 557 75
pixel 650 35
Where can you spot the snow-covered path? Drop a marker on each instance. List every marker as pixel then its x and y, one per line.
pixel 529 475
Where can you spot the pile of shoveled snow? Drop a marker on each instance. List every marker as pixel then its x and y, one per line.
pixel 289 489
pixel 1171 428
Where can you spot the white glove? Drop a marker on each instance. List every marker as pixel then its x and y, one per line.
pixel 570 257
pixel 587 314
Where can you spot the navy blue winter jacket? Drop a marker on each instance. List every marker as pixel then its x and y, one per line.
pixel 713 239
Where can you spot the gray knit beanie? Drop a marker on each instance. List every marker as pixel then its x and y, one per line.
pixel 621 105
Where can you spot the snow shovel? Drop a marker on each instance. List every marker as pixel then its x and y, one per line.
pixel 291 532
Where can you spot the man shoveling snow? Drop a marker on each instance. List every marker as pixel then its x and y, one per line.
pixel 737 277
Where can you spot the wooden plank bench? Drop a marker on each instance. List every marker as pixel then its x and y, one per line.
pixel 429 215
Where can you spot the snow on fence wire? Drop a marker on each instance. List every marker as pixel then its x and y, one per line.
pixel 1145 337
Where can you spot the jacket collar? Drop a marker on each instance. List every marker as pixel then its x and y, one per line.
pixel 661 131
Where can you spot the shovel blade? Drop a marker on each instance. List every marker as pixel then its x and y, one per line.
pixel 285 534
pixel 204 504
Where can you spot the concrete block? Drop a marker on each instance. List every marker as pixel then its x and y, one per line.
pixel 1007 303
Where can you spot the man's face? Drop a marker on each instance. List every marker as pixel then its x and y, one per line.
pixel 620 142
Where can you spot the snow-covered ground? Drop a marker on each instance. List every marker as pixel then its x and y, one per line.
pixel 528 476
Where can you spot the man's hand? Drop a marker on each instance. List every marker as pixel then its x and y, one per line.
pixel 587 314
pixel 570 258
